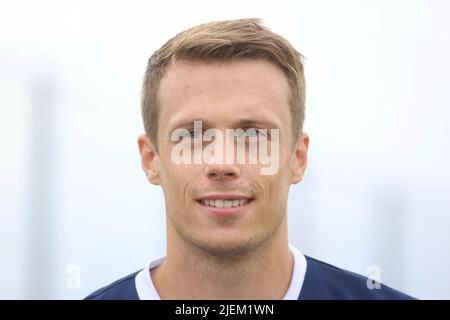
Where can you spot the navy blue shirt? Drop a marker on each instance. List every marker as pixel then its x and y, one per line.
pixel 322 282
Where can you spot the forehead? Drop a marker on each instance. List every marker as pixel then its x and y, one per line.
pixel 221 92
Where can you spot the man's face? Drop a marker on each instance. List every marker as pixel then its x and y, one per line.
pixel 229 95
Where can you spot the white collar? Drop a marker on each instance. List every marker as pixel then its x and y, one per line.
pixel 146 290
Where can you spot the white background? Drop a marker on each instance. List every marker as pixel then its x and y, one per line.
pixel 76 211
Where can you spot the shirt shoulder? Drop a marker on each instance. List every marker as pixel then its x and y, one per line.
pixel 122 289
pixel 327 282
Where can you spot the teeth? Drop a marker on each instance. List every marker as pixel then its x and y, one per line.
pixel 218 203
pixel 224 203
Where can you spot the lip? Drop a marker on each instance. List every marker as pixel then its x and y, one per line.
pixel 225 212
pixel 224 196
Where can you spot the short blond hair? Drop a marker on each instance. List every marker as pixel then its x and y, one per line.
pixel 225 40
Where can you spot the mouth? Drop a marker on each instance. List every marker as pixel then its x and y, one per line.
pixel 223 206
pixel 219 203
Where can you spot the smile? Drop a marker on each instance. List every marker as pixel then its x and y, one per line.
pixel 225 205
pixel 220 203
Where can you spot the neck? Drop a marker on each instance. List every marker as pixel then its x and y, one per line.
pixel 188 272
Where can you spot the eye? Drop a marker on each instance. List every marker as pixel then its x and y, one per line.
pixel 254 133
pixel 193 134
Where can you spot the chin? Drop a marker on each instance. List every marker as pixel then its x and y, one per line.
pixel 227 245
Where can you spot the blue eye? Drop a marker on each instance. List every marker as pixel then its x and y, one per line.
pixel 255 133
pixel 252 133
pixel 194 134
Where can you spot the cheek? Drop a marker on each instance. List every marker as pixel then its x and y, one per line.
pixel 176 181
pixel 277 187
pixel 171 177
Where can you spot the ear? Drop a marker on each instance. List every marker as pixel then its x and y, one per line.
pixel 149 159
pixel 299 159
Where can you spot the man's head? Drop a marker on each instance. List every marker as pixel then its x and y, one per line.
pixel 224 41
pixel 230 74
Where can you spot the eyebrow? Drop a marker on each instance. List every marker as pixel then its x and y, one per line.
pixel 240 123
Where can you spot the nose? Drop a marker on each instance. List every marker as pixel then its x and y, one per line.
pixel 218 168
pixel 222 171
